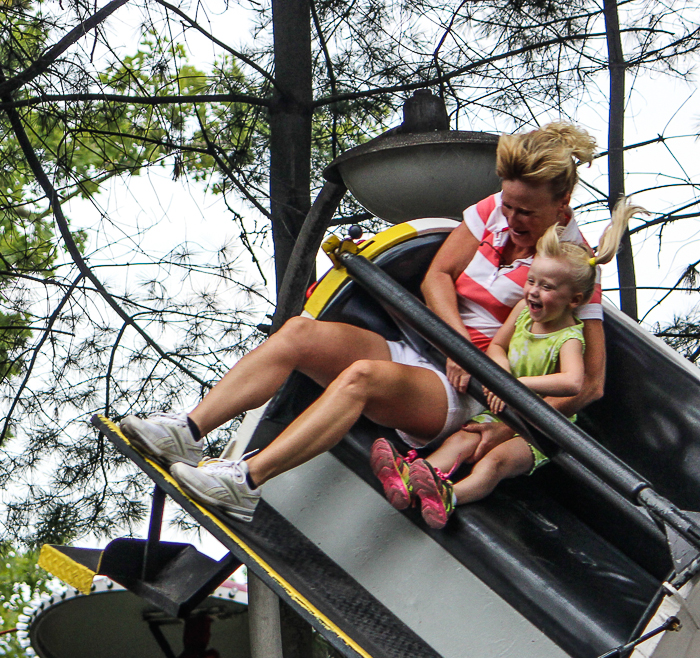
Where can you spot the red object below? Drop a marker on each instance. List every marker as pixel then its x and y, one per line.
pixel 311 289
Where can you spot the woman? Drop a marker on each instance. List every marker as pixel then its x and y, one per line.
pixel 475 279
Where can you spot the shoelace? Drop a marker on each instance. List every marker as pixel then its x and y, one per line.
pixel 170 419
pixel 219 466
pixel 446 476
pixel 411 456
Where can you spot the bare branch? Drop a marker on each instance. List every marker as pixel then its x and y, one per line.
pixel 244 58
pixel 453 74
pixel 138 100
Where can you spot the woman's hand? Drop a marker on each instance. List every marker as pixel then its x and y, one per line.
pixel 457 376
pixel 492 435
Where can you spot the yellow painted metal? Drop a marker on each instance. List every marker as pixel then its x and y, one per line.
pixel 370 249
pixel 66 569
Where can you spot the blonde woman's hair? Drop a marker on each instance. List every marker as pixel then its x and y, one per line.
pixel 581 261
pixel 548 155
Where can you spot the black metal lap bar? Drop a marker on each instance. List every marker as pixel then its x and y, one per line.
pixel 530 406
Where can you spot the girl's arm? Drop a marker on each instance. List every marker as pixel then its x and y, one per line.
pixel 569 380
pixel 498 349
pixel 594 378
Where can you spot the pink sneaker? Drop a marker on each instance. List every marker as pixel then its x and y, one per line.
pixel 434 490
pixel 392 470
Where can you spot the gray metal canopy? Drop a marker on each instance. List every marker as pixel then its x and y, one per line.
pixel 400 177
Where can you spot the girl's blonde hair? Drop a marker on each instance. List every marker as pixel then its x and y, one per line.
pixel 581 261
pixel 548 155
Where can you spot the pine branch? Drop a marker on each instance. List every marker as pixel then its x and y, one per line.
pixel 70 244
pixel 54 52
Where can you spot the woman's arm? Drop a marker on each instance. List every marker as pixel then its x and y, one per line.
pixel 438 286
pixel 568 381
pixel 438 289
pixel 594 371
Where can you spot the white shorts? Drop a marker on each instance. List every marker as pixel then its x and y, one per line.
pixel 460 406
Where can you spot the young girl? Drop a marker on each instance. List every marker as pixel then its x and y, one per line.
pixel 541 343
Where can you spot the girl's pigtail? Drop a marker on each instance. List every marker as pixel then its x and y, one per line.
pixel 582 264
pixel 612 236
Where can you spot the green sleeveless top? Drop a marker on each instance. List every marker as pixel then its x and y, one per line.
pixel 538 354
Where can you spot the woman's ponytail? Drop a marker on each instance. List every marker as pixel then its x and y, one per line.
pixel 546 156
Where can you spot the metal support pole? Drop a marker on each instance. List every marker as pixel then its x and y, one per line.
pixel 290 299
pixel 263 620
pixel 150 551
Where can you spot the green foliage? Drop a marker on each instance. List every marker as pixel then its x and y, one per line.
pixel 27 247
pixel 21 580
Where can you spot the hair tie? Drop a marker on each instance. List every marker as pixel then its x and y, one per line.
pixel 592 262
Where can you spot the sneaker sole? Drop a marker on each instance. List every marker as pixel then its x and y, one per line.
pixel 424 486
pixel 383 465
pixel 145 447
pixel 234 512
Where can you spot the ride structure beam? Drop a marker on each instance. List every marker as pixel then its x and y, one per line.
pixel 355 623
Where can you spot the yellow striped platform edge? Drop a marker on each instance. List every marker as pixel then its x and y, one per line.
pixel 293 594
pixel 57 563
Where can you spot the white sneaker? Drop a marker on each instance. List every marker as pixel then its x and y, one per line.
pixel 220 483
pixel 166 437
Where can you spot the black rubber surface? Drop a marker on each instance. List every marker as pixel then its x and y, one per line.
pixel 315 577
pixel 579 569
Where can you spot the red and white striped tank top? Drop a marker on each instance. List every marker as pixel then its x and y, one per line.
pixel 486 293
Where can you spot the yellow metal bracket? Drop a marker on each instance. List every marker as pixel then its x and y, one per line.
pixel 334 245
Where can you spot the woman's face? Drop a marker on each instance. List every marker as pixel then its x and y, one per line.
pixel 531 210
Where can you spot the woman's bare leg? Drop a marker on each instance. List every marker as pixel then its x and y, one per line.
pixel 321 350
pixel 507 460
pixel 409 398
pixel 455 450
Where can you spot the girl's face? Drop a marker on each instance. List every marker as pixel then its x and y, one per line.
pixel 549 293
pixel 530 211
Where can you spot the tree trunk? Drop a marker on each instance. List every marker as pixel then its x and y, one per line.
pixel 290 178
pixel 616 156
pixel 290 127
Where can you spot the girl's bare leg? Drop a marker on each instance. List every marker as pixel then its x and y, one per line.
pixel 507 460
pixel 455 450
pixel 321 350
pixel 409 398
